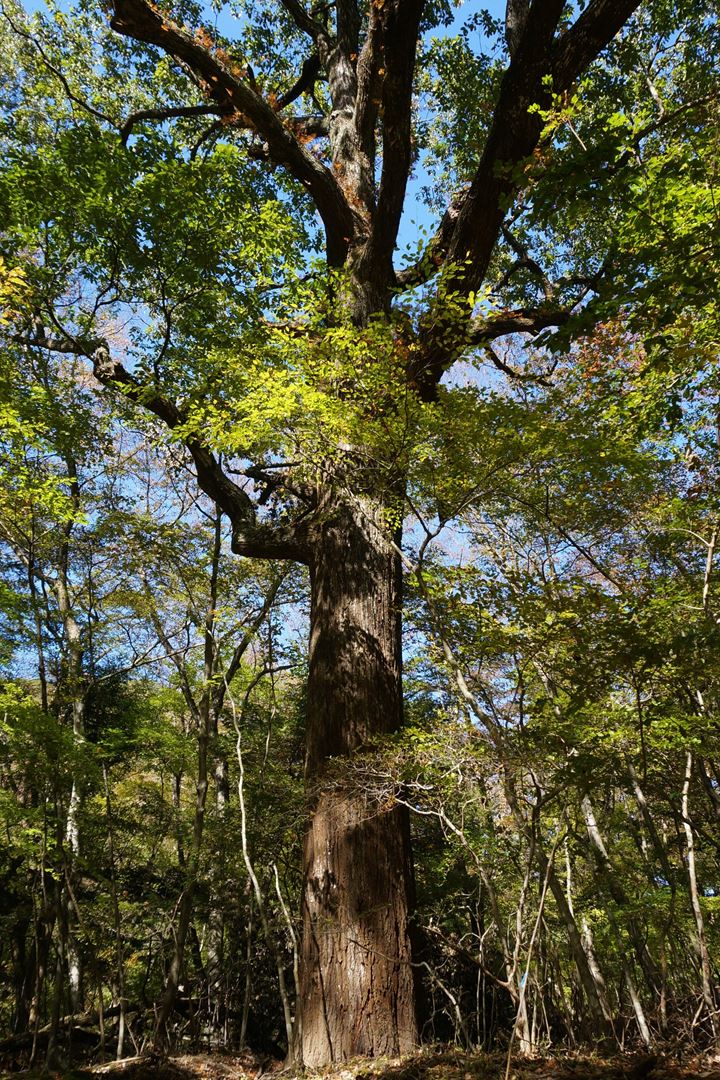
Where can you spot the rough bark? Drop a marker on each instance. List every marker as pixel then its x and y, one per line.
pixel 357 979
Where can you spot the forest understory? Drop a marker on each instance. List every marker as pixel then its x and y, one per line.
pixel 432 1064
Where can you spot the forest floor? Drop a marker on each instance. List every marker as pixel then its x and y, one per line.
pixel 448 1065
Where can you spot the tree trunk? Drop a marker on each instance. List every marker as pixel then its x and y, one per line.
pixel 119 978
pixel 585 962
pixel 586 965
pixel 18 952
pixel 708 991
pixel 191 866
pixel 358 992
pixel 216 911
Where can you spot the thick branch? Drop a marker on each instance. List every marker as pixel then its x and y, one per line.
pixel 515 130
pixel 302 19
pixel 437 248
pixel 348 25
pixel 351 164
pixel 516 13
pixel 526 261
pixel 513 372
pixel 471 224
pixel 166 114
pixel 434 254
pixel 400 22
pixel 480 332
pixel 514 134
pixel 251 537
pixel 369 84
pixel 521 321
pixel 587 37
pixel 223 81
pixel 304 83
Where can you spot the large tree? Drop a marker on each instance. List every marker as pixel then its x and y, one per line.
pixel 308 392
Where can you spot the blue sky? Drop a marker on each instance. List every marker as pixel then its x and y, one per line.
pixel 416 215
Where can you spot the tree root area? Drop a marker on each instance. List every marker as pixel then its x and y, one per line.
pixel 424 1066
